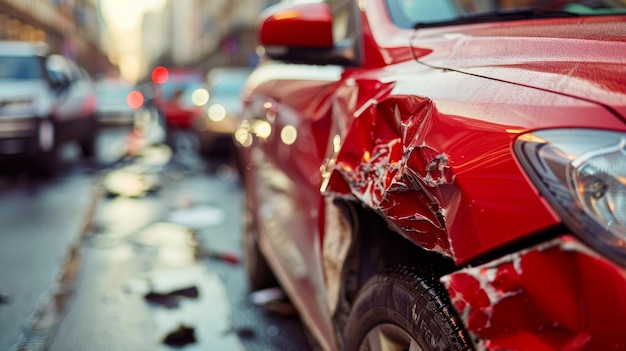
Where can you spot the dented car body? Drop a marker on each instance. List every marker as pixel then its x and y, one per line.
pixel 473 159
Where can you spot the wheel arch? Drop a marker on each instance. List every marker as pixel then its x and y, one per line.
pixel 374 247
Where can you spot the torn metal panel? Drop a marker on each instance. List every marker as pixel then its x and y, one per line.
pixel 555 296
pixel 387 164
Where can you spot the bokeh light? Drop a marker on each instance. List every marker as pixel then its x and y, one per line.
pixel 135 99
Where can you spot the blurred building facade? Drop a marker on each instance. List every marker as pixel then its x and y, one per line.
pixel 202 34
pixel 197 34
pixel 70 27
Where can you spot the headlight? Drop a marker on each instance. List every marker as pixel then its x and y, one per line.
pixel 582 174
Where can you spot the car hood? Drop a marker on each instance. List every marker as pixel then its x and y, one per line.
pixel 582 57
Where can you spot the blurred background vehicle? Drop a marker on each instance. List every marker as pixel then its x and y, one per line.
pixel 215 128
pixel 174 89
pixel 46 100
pixel 118 101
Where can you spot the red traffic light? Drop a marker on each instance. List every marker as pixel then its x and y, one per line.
pixel 159 75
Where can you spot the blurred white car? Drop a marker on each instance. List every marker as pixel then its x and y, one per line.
pixel 117 103
pixel 45 101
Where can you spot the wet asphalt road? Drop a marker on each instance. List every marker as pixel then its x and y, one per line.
pixel 142 253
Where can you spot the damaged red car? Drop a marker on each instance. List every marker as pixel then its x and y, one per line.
pixel 441 175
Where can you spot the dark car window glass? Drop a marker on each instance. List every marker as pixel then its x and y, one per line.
pixel 407 13
pixel 20 68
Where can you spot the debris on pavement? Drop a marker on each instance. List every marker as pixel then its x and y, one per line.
pixel 172 299
pixel 225 256
pixel 182 336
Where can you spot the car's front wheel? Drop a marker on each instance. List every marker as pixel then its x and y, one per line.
pixel 404 309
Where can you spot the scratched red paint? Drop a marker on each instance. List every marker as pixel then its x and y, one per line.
pixel 562 296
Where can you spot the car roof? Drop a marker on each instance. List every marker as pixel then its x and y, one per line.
pixel 22 48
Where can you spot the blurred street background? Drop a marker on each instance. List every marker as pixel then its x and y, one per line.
pixel 133 37
pixel 138 246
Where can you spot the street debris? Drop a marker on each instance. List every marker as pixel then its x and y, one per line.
pixel 171 299
pixel 224 256
pixel 182 336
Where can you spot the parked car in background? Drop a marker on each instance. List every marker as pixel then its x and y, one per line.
pixel 175 86
pixel 118 101
pixel 222 106
pixel 45 101
pixel 441 175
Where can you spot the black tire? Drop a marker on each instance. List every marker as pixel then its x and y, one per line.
pixel 260 275
pixel 47 161
pixel 409 306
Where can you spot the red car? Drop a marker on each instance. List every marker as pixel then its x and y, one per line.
pixel 441 175
pixel 175 88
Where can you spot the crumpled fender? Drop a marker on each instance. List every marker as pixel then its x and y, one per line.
pixel 385 163
pixel 563 297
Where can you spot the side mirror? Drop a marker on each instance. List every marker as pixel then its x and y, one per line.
pixel 300 33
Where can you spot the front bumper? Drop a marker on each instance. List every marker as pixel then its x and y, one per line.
pixel 19 135
pixel 559 295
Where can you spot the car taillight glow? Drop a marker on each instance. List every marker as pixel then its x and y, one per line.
pixel 135 99
pixel 582 174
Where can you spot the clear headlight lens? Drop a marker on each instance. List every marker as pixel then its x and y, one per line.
pixel 582 174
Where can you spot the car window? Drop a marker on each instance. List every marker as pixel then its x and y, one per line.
pixel 408 13
pixel 20 68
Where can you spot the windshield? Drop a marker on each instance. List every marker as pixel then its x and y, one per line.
pixel 408 13
pixel 20 68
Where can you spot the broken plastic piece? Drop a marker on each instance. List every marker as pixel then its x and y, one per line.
pixel 228 257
